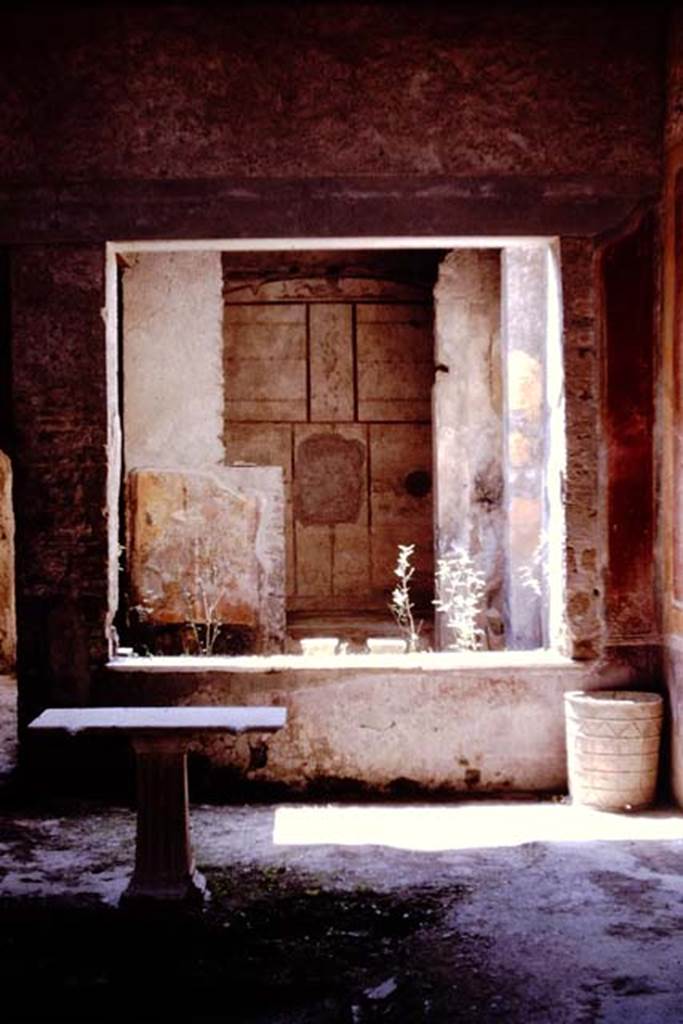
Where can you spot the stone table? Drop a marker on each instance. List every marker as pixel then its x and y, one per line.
pixel 165 869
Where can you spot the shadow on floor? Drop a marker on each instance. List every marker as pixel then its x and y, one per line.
pixel 433 914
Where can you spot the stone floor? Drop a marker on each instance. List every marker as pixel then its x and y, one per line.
pixel 463 912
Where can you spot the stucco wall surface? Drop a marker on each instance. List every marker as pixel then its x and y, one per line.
pixel 346 415
pixel 318 89
pixel 160 121
pixel 467 404
pixel 473 729
pixel 173 360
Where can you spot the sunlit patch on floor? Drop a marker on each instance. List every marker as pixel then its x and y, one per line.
pixel 466 826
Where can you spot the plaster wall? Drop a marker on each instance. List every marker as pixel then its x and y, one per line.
pixel 525 442
pixel 467 399
pixel 173 411
pixel 417 723
pixel 172 360
pixel 330 378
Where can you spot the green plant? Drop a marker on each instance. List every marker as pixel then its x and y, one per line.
pixel 401 606
pixel 461 589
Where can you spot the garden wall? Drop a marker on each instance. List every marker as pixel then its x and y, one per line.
pixel 361 724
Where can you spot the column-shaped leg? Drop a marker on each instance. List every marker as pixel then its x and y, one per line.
pixel 164 861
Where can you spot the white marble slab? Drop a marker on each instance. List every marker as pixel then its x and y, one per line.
pixel 162 719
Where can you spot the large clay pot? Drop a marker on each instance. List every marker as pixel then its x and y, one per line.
pixel 613 741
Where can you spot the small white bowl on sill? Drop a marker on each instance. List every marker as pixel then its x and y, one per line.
pixel 386 645
pixel 319 645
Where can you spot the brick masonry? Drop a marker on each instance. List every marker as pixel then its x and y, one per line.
pixel 584 508
pixel 61 469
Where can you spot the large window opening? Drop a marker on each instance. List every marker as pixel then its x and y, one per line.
pixel 292 415
pixel 328 372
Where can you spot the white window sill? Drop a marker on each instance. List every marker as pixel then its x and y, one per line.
pixel 477 661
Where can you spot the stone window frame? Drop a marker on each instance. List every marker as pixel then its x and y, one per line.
pixel 578 620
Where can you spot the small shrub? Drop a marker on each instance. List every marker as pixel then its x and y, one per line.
pixel 461 589
pixel 203 595
pixel 401 606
